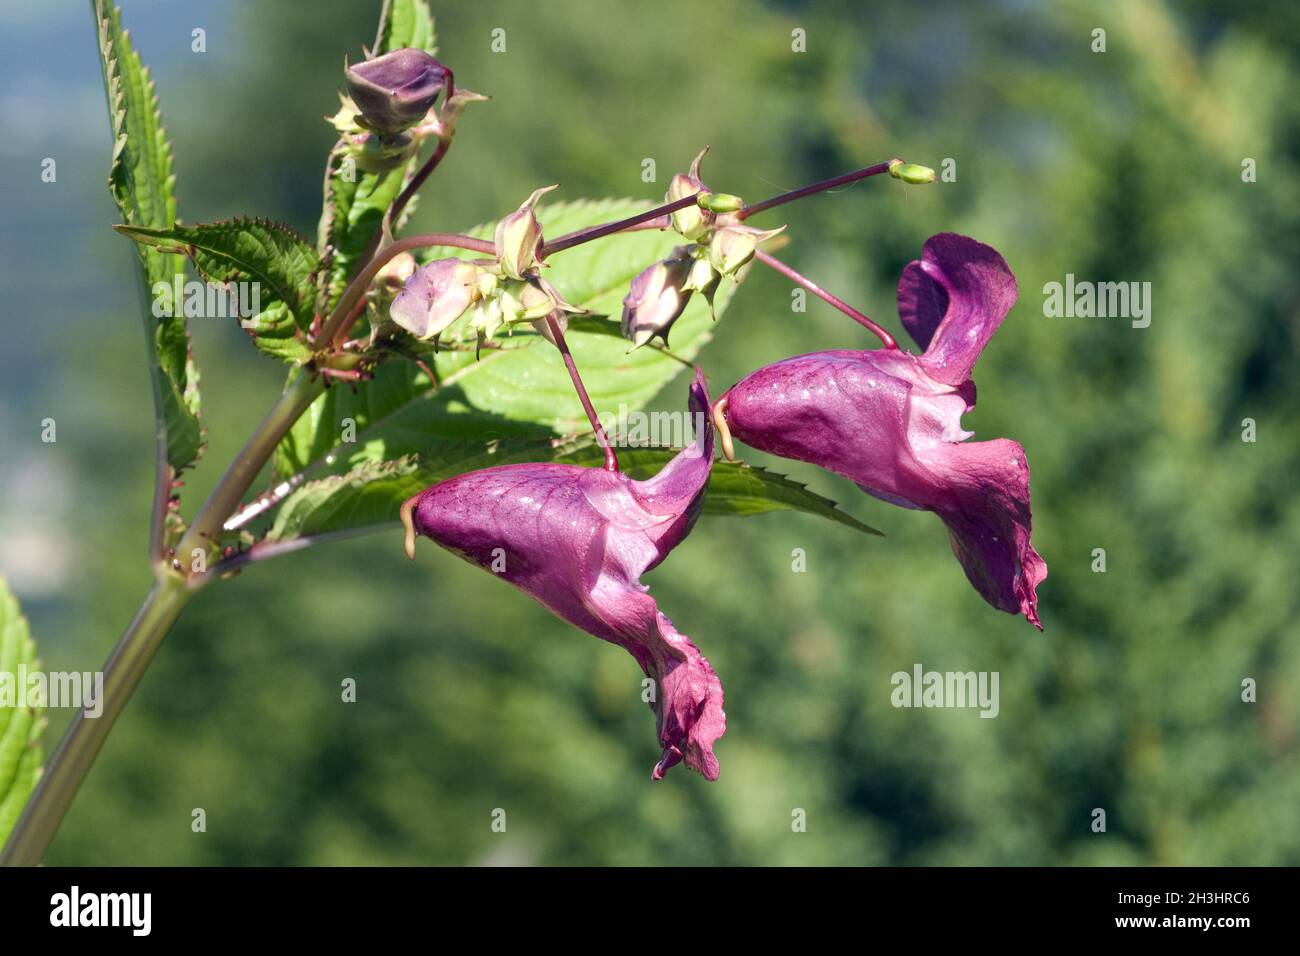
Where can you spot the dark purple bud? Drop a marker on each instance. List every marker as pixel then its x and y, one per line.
pixel 395 91
pixel 577 541
pixel 891 421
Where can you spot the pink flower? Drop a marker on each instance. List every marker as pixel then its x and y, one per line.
pixel 577 541
pixel 891 420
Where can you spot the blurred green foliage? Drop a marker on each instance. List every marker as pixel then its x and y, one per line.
pixel 1123 165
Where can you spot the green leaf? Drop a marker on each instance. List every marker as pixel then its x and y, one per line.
pixel 519 391
pixel 371 494
pixel 354 210
pixel 20 727
pixel 140 179
pixel 281 262
pixel 735 488
pixel 405 23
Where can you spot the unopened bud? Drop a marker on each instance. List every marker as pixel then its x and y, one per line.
pixel 704 279
pixel 720 202
pixel 656 299
pixel 519 237
pixel 435 296
pixel 539 298
pixel 380 152
pixel 395 91
pixel 911 173
pixel 691 222
pixel 734 245
pixel 396 270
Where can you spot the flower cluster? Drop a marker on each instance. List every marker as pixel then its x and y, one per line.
pixel 719 245
pixel 577 540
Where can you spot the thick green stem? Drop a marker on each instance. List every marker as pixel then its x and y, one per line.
pixel 67 768
pixel 234 484
pixel 70 763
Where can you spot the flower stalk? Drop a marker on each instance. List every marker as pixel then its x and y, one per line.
pixel 799 279
pixel 557 333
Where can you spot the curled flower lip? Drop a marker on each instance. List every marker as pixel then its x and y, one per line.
pixel 891 421
pixel 577 541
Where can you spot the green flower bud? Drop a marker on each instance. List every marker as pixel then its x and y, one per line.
pixel 734 245
pixel 911 173
pixel 519 236
pixel 704 279
pixel 487 319
pixel 539 298
pixel 380 152
pixel 720 202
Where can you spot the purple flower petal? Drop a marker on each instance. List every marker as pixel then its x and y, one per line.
pixel 953 300
pixel 891 421
pixel 577 541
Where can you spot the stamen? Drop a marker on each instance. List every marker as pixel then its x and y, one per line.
pixel 407 507
pixel 724 431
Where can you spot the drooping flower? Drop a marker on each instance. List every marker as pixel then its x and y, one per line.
pixel 891 421
pixel 395 91
pixel 577 541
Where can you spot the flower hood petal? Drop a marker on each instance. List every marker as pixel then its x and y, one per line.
pixel 952 301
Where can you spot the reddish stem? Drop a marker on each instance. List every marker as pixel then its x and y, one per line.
pixel 611 460
pixel 802 191
pixel 580 236
pixel 822 294
pixel 337 325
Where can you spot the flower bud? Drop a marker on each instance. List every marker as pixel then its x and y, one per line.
pixel 539 298
pixel 435 296
pixel 911 173
pixel 734 245
pixel 395 91
pixel 656 300
pixel 519 236
pixel 704 279
pixel 380 152
pixel 396 271
pixel 720 202
pixel 691 222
